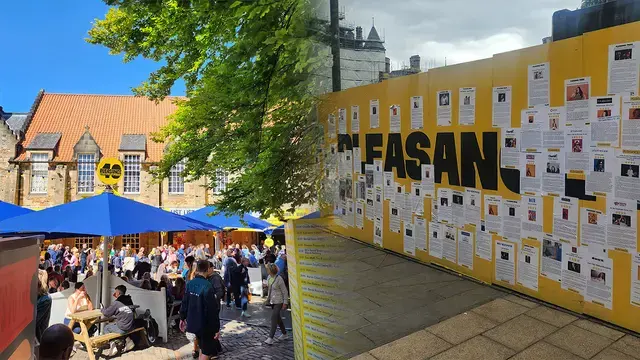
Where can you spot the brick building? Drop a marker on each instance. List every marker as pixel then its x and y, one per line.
pixel 48 157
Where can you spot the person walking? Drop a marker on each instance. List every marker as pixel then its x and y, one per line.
pixel 83 258
pixel 228 267
pixel 278 299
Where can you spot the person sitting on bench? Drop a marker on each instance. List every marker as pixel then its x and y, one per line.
pixel 121 310
pixel 79 301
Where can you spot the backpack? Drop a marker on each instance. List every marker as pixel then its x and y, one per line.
pixel 218 285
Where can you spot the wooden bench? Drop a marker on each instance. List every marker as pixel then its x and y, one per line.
pixel 100 342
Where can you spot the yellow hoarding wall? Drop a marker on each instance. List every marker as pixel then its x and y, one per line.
pixel 520 170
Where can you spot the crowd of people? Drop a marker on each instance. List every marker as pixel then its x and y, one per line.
pixel 200 279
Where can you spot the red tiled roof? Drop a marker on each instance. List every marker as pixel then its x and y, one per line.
pixel 107 116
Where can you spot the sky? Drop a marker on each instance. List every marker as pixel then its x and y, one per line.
pixel 42 46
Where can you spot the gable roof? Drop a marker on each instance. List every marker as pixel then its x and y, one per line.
pixel 44 141
pixel 108 116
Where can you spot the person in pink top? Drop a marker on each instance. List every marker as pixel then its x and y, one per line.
pixel 172 257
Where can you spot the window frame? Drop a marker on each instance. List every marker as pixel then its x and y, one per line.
pixel 132 239
pixel 78 241
pixel 45 168
pixel 129 167
pixel 221 186
pixel 91 169
pixel 175 174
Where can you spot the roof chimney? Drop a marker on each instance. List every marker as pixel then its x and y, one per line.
pixel 414 62
pixel 359 33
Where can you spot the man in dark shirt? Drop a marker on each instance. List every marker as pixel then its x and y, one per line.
pixel 143 266
pixel 124 317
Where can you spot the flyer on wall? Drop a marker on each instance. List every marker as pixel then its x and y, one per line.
pixel 457 208
pixel 355 119
pixel 473 207
pixel 577 145
pixel 357 160
pixel 394 217
pixel 623 69
pixel 420 227
pixel 342 121
pixel 435 239
pixel 600 281
pixel 599 181
pixel 565 219
pixel 417 113
pixel 574 274
pixel 409 240
pixel 444 205
pixel 532 121
pixel 332 126
pixel 377 173
pixel 553 176
pixel 635 279
pixel 532 166
pixel 627 180
pixel 467 106
pixel 510 152
pixel 417 200
pixel 398 194
pixel 394 119
pixel 389 185
pixel 553 128
pixel 443 102
pixel 350 213
pixel 377 232
pixel 630 122
pixel 368 173
pixel 348 166
pixel 528 267
pixel 370 208
pixel 374 114
pixel 407 214
pixel 622 227
pixel 511 220
pixel 552 257
pixel 539 84
pixel 360 214
pixel 532 217
pixel 593 228
pixel 449 243
pixel 604 116
pixel 378 202
pixel 484 246
pixel 361 188
pixel 465 249
pixel 501 114
pixel 428 180
pixel 505 262
pixel 493 214
pixel 576 99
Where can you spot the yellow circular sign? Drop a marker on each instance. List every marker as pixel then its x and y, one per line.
pixel 268 242
pixel 110 171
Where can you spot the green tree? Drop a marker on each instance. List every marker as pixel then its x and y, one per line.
pixel 247 67
pixel 588 3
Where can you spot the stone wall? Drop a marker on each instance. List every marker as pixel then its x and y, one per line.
pixel 8 177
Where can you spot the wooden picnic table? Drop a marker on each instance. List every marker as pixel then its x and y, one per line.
pixel 86 319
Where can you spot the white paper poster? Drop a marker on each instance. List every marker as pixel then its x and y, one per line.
pixel 444 205
pixel 532 167
pixel 532 217
pixel 593 228
pixel 368 173
pixel 473 207
pixel 360 214
pixel 374 114
pixel 565 219
pixel 370 208
pixel 377 173
pixel 493 214
pixel 332 126
pixel 409 240
pixel 528 267
pixel 407 214
pixel 532 121
pixel 417 113
pixel 449 243
pixel 428 180
pixel 389 185
pixel 483 244
pixel 623 69
pixel 435 239
pixel 465 249
pixel 631 122
pixel 342 121
pixel 577 145
pixel 355 119
pixel 552 257
pixel 467 106
pixel 350 213
pixel 394 217
pixel 501 116
pixel 600 178
pixel 377 232
pixel 378 202
pixel 604 116
pixel 457 208
pixel 600 281
pixel 398 195
pixel 417 200
pixel 420 228
pixel 361 188
pixel 505 262
pixel 444 108
pixel 553 177
pixel 574 274
pixel 626 175
pixel 635 279
pixel 394 119
pixel 511 220
pixel 622 227
pixel 510 152
pixel 577 93
pixel 539 84
pixel 554 128
pixel 357 160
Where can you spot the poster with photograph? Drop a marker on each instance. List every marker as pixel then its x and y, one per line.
pixel 331 121
pixel 417 113
pixel 532 121
pixel 576 100
pixel 577 146
pixel 551 258
pixel 348 166
pixel 593 228
pixel 361 188
pixel 528 267
pixel 510 152
pixel 435 239
pixel 355 119
pixel 394 119
pixel 631 122
pixel 377 232
pixel 472 206
pixel 398 194
pixel 370 208
pixel 484 243
pixel 360 214
pixel 602 164
pixel 622 227
pixel 553 177
pixel 623 69
pixel 511 220
pixel 467 106
pixel 505 262
pixel 389 185
pixel 539 84
pixel 409 239
pixel 350 219
pixel 357 160
pixel 417 200
pixel 635 279
pixel 532 167
pixel 554 127
pixel 574 274
pixel 565 219
pixel 493 214
pixel 377 173
pixel 443 103
pixel 368 173
pixel 604 116
pixel 444 205
pixel 428 180
pixel 532 217
pixel 501 114
pixel 457 208
pixel 600 280
pixel 626 175
pixel 465 249
pixel 378 202
pixel 420 228
pixel 449 243
pixel 394 217
pixel 374 114
pixel 342 121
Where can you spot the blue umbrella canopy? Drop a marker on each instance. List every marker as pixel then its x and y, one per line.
pixel 9 210
pixel 102 215
pixel 223 220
